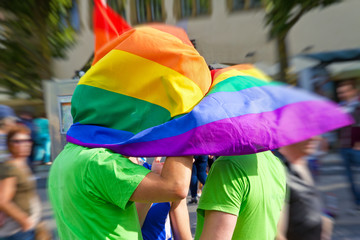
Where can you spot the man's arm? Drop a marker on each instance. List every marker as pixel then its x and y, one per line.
pixel 180 223
pixel 327 227
pixel 283 223
pixel 170 186
pixel 218 225
pixel 142 210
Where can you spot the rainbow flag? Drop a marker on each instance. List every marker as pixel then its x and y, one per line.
pixel 151 94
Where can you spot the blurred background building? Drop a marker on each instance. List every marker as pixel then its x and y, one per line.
pixel 232 32
pixel 323 46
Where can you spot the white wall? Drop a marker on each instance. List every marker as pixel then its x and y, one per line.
pixel 79 54
pixel 227 37
pixel 334 28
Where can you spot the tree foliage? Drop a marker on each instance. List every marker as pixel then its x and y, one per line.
pixel 32 32
pixel 281 16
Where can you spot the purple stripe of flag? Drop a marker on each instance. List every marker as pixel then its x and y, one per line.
pixel 244 134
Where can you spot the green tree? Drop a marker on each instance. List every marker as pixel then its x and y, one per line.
pixel 281 16
pixel 32 32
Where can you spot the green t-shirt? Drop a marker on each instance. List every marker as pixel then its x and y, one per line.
pixel 89 190
pixel 251 187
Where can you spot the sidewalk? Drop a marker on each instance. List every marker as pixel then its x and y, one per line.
pixel 333 182
pixel 41 174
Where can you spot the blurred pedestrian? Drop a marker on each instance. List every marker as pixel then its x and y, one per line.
pixel 211 160
pixel 7 121
pixel 26 118
pixel 349 137
pixel 198 173
pixel 42 142
pixel 314 158
pixel 18 198
pixel 242 198
pixel 303 215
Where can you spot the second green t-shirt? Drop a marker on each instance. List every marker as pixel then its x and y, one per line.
pixel 252 187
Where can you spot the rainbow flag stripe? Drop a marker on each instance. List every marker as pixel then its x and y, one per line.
pixel 243 112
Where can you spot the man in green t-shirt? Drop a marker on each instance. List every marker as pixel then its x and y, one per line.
pixel 93 190
pixel 242 198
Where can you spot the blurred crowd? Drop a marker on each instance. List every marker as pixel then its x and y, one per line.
pixel 24 141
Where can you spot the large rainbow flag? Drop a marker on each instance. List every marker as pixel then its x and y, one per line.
pixel 150 93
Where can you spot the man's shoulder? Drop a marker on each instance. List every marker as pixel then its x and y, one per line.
pixel 85 152
pixel 250 157
pixel 76 156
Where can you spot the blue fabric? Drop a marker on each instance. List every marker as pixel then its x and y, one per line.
pixel 351 158
pixel 198 173
pixel 154 224
pixel 29 235
pixel 146 165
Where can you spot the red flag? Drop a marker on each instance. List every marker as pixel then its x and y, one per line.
pixel 107 25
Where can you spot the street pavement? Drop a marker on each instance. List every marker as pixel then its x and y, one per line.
pixel 331 182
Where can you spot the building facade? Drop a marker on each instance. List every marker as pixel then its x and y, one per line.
pixel 225 31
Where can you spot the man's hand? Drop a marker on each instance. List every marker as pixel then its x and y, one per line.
pixel 218 225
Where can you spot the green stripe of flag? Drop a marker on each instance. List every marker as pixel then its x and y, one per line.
pixel 113 110
pixel 238 83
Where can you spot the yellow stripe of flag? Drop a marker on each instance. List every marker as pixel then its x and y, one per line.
pixel 252 72
pixel 138 77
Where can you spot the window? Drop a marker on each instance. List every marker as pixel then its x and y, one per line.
pixel 117 5
pixel 71 17
pixel 149 11
pixel 192 8
pixel 236 5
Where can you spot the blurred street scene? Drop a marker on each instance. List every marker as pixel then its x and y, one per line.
pixel 331 182
pixel 311 45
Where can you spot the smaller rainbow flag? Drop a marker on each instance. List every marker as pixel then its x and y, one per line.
pixel 107 25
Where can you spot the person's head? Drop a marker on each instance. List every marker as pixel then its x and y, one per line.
pixel 19 141
pixel 346 90
pixel 300 149
pixel 26 114
pixel 7 118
